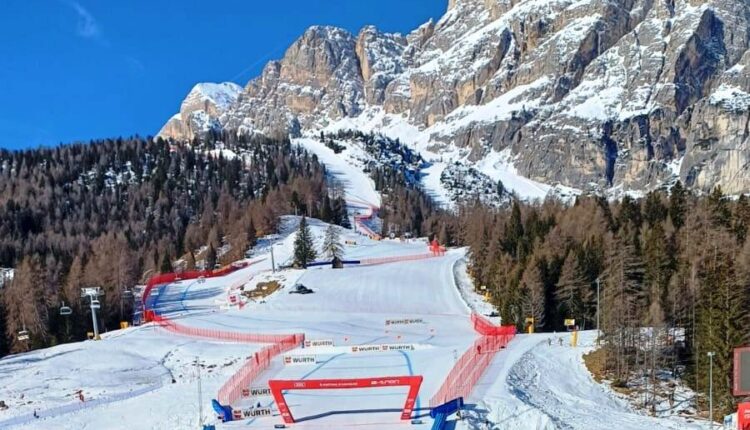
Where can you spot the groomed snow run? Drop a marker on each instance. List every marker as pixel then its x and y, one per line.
pixel 146 377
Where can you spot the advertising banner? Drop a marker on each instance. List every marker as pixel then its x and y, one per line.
pixel 404 321
pixel 256 392
pixel 242 414
pixel 356 349
pixel 319 342
pixel 299 360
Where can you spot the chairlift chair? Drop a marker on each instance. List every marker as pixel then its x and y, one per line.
pixel 23 335
pixel 95 304
pixel 65 310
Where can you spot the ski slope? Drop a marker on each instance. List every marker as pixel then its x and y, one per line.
pixel 533 385
pixel 147 378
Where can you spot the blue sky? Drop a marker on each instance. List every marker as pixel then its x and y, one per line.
pixel 77 70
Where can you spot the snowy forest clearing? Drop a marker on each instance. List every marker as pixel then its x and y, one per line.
pixel 146 376
pixel 530 385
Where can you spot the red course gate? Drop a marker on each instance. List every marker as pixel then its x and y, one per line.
pixel 278 387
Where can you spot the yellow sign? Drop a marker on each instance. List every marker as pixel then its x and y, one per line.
pixel 570 322
pixel 124 324
pixel 530 325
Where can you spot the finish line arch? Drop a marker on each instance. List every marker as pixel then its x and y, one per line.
pixel 279 386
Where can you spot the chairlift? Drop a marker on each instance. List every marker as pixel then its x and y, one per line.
pixel 23 335
pixel 65 310
pixel 95 304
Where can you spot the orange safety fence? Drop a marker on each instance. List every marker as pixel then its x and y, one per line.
pixel 213 334
pixel 359 219
pixel 396 259
pixel 166 278
pixel 232 389
pixel 470 367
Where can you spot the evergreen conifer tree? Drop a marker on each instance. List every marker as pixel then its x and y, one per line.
pixel 332 243
pixel 210 258
pixel 304 248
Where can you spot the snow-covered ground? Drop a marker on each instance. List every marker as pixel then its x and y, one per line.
pixel 146 377
pixel 530 385
pixel 499 166
pixel 535 385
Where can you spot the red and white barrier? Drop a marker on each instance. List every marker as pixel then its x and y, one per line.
pixel 470 367
pixel 221 335
pixel 278 387
pixel 359 220
pixel 231 391
pixel 167 278
pixel 385 260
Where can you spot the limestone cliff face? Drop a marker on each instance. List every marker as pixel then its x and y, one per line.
pixel 591 94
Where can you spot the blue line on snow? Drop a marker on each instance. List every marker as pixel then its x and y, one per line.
pixel 184 295
pixel 323 363
pixel 318 367
pixel 411 373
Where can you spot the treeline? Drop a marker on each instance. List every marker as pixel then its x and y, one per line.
pixel 110 213
pixel 673 271
pixel 406 209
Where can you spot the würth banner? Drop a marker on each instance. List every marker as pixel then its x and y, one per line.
pixel 383 348
pixel 299 360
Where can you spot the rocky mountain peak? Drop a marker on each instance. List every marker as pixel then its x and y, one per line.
pixel 600 95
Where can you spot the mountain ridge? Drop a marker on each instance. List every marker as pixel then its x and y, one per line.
pixel 596 95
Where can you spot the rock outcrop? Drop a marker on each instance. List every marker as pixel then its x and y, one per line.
pixel 590 94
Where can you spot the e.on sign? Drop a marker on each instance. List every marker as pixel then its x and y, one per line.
pixel 279 386
pixel 743 416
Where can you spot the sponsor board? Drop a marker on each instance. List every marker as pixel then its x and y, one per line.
pixel 240 414
pixel 260 391
pixel 256 392
pixel 383 348
pixel 404 321
pixel 299 360
pixel 320 342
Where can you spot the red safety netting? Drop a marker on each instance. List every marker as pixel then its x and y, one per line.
pixel 359 220
pixel 384 260
pixel 231 391
pixel 213 334
pixel 166 278
pixel 486 328
pixel 470 367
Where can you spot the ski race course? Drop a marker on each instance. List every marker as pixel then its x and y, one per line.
pixel 350 355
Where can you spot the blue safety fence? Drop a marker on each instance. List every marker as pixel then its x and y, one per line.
pixel 441 413
pixel 330 263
